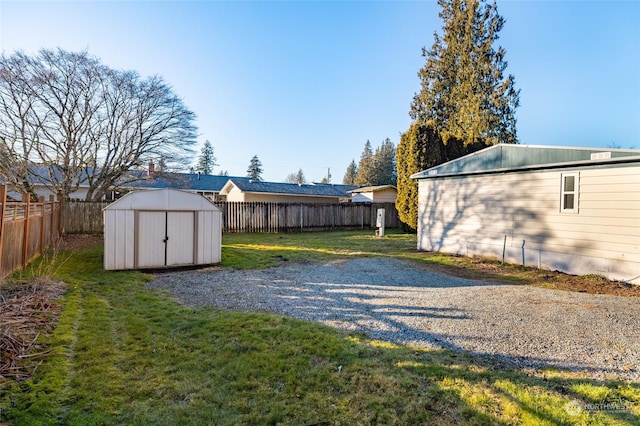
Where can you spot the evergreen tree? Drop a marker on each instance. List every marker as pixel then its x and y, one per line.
pixel 384 164
pixel 421 148
pixel 350 175
pixel 365 167
pixel 463 87
pixel 255 169
pixel 206 159
pixel 411 158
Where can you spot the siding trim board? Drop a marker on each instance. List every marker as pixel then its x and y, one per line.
pixel 520 212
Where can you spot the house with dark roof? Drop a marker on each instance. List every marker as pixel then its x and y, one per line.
pixel 576 210
pixel 206 185
pixel 213 187
pixel 247 190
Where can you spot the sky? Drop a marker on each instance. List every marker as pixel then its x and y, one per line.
pixel 305 84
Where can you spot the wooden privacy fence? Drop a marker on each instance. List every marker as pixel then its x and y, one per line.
pixel 86 217
pixel 26 230
pixel 291 217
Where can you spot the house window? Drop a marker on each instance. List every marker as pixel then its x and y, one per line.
pixel 570 185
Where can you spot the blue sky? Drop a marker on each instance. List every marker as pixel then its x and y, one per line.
pixel 306 84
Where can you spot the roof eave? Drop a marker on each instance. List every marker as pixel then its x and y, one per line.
pixel 616 160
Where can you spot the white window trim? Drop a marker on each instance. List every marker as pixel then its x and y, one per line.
pixel 575 192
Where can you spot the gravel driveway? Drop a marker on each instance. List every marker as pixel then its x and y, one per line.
pixel 401 302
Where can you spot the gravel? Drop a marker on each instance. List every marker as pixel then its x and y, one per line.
pixel 400 302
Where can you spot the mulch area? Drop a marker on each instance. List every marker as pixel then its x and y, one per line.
pixel 28 311
pixel 592 285
pixel 491 271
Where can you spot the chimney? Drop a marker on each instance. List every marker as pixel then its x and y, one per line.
pixel 152 168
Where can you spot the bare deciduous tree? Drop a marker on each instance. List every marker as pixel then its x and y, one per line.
pixel 66 119
pixel 298 178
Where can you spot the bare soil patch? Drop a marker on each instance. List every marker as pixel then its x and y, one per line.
pixel 492 271
pixel 78 241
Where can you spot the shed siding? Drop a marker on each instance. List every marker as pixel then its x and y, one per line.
pixel 209 230
pixel 472 215
pixel 119 239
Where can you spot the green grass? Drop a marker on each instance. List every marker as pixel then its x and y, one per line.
pixel 251 251
pixel 128 355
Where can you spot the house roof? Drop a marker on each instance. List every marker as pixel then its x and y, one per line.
pixel 312 190
pixel 187 181
pixel 137 179
pixel 372 189
pixel 510 157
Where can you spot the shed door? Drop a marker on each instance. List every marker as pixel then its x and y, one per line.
pixel 165 239
pixel 180 231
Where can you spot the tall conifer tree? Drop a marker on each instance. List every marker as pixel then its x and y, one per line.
pixel 384 164
pixel 365 167
pixel 465 103
pixel 464 89
pixel 206 159
pixel 350 175
pixel 254 171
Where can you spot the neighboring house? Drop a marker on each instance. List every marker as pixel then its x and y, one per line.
pixel 206 185
pixel 576 210
pixel 39 177
pixel 252 190
pixel 374 194
pixel 213 187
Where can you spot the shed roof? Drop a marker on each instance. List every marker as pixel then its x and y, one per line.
pixel 312 190
pixel 372 189
pixel 162 200
pixel 510 157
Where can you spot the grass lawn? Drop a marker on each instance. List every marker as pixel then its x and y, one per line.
pixel 123 354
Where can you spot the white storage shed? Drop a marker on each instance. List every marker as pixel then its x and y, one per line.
pixel 161 228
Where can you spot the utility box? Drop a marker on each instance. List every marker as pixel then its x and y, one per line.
pixel 161 228
pixel 380 223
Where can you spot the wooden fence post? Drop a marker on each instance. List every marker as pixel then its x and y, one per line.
pixel 43 220
pixel 52 229
pixel 3 210
pixel 26 198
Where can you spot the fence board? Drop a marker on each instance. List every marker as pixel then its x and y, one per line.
pixel 26 230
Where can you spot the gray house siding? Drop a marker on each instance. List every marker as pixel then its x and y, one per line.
pixel 520 213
